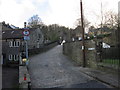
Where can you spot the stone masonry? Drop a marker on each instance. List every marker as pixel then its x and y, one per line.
pixel 74 51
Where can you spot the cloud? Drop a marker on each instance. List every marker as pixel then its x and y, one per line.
pixel 63 12
pixel 16 13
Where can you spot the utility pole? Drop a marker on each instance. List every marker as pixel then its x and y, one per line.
pixel 101 41
pixel 83 39
pixel 101 17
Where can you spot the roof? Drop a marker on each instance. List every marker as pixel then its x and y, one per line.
pixel 12 34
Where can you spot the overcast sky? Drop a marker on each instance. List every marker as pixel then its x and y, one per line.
pixel 62 12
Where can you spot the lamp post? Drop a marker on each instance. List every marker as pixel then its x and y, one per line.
pixel 83 42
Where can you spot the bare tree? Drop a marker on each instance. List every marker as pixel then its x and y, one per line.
pixel 78 22
pixel 35 21
pixel 110 19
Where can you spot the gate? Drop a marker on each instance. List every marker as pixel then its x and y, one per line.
pixel 109 55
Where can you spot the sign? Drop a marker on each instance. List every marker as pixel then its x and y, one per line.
pixel 26 38
pixel 91 48
pixel 82 47
pixel 26 32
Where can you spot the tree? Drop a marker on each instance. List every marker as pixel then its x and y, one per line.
pixel 78 22
pixel 110 19
pixel 35 21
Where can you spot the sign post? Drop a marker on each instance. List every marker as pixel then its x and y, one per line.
pixel 26 38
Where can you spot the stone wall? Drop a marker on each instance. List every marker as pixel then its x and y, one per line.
pixel 36 38
pixel 74 51
pixel 42 49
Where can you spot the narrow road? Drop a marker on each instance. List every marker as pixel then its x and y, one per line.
pixel 52 69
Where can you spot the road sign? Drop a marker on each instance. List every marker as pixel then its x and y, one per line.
pixel 26 38
pixel 26 32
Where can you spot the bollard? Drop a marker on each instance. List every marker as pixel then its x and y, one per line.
pixel 25 77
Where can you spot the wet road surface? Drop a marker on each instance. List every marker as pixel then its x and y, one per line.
pixel 52 69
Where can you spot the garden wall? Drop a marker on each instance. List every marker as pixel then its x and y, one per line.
pixel 74 51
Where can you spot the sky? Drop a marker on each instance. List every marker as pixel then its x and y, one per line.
pixel 62 12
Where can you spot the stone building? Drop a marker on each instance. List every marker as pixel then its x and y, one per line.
pixel 36 38
pixel 11 44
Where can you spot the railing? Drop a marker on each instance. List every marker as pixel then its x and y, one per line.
pixel 110 57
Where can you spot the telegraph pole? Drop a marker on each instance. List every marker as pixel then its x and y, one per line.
pixel 83 39
pixel 101 17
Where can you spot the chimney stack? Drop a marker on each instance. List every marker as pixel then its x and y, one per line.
pixel 24 24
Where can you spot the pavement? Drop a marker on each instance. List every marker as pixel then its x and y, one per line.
pixel 112 79
pixel 52 69
pixel 23 73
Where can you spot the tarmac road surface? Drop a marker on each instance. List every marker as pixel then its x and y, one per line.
pixel 52 69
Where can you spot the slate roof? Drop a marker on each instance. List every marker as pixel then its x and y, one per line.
pixel 12 34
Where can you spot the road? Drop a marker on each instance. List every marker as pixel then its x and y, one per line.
pixel 10 77
pixel 0 77
pixel 52 69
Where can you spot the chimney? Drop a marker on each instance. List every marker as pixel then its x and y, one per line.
pixel 24 24
pixel 3 22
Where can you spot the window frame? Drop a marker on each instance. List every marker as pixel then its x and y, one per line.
pixel 10 57
pixel 14 44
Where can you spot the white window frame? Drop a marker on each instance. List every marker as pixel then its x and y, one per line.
pixel 14 44
pixel 16 57
pixel 13 57
pixel 10 57
pixel 11 43
pixel 17 43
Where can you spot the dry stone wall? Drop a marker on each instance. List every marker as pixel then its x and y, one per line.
pixel 74 51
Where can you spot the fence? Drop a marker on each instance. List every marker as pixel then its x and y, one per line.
pixel 110 53
pixel 110 57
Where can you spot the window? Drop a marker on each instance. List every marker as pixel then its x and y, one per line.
pixel 11 44
pixel 14 43
pixel 39 35
pixel 10 57
pixel 18 43
pixel 14 57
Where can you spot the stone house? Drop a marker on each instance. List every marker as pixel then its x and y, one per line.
pixel 11 44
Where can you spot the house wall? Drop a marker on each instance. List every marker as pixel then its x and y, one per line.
pixel 7 50
pixel 0 44
pixel 7 37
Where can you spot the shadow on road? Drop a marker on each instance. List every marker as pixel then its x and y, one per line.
pixel 10 77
